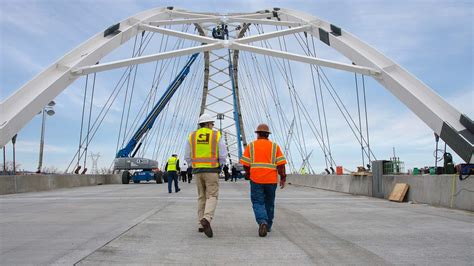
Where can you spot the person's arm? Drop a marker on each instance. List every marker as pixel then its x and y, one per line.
pixel 177 166
pixel 282 172
pixel 281 162
pixel 166 167
pixel 222 152
pixel 247 171
pixel 245 161
pixel 187 152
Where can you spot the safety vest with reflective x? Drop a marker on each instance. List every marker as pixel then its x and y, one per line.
pixel 204 148
pixel 263 157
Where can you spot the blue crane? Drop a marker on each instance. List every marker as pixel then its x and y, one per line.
pixel 125 158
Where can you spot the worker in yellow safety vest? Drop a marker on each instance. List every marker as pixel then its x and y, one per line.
pixel 263 161
pixel 206 152
pixel 172 169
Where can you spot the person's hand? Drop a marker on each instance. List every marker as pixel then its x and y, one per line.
pixel 282 183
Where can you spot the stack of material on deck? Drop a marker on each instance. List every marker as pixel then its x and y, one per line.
pixel 398 192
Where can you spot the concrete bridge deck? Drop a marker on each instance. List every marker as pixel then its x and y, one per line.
pixel 143 224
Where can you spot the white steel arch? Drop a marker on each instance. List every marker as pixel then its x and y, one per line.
pixel 456 129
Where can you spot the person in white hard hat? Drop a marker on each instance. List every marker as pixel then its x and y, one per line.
pixel 205 151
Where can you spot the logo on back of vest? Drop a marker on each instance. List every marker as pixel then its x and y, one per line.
pixel 203 138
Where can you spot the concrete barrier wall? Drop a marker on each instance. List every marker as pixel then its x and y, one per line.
pixel 438 190
pixel 28 183
pixel 360 185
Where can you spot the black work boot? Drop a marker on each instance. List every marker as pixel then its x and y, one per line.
pixel 207 227
pixel 262 230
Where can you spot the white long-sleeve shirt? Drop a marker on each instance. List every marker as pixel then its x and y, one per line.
pixel 221 147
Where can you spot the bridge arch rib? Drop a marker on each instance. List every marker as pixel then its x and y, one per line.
pixel 455 128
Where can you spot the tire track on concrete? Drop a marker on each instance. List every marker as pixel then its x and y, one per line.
pixel 321 246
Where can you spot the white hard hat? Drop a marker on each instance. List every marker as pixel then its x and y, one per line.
pixel 205 118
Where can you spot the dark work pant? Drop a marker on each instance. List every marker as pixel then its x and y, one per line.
pixel 190 176
pixel 263 202
pixel 173 176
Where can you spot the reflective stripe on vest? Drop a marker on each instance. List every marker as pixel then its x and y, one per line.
pixel 264 172
pixel 172 164
pixel 204 152
pixel 271 165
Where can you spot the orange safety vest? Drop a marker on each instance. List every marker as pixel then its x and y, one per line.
pixel 204 148
pixel 263 157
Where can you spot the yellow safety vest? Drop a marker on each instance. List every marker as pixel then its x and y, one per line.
pixel 172 164
pixel 204 148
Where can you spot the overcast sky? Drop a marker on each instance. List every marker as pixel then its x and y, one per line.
pixel 431 39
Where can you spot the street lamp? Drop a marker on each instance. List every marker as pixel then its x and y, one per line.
pixel 47 110
pixel 14 160
pixel 220 117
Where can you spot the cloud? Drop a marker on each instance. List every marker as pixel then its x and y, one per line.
pixel 33 147
pixel 16 56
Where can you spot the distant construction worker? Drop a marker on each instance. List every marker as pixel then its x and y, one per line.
pixel 183 172
pixel 172 168
pixel 262 160
pixel 225 169
pixel 234 174
pixel 190 173
pixel 206 152
pixel 303 171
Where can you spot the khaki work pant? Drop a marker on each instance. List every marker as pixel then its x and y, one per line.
pixel 208 191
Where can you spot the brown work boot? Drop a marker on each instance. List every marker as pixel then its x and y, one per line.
pixel 207 227
pixel 262 230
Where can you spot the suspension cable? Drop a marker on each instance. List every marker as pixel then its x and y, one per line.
pixel 126 93
pixel 366 119
pixel 82 119
pixel 360 123
pixel 299 105
pixel 105 109
pixel 341 106
pixel 89 122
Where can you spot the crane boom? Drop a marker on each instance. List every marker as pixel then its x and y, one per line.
pixel 159 106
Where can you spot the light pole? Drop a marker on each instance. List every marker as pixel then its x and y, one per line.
pixel 14 159
pixel 4 162
pixel 220 117
pixel 47 110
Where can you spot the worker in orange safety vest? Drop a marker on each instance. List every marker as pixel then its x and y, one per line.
pixel 263 161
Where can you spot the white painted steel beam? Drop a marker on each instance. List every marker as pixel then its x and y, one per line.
pixel 144 59
pixel 253 16
pixel 184 21
pixel 264 21
pixel 306 59
pixel 179 34
pixel 179 13
pixel 273 34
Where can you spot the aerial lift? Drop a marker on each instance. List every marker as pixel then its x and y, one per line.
pixel 142 168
